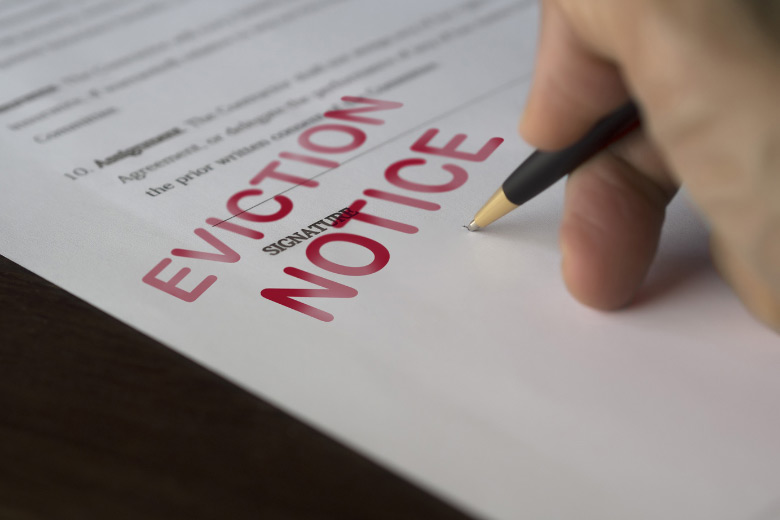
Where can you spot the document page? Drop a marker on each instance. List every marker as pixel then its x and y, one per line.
pixel 278 188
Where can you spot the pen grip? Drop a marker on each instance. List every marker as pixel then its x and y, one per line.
pixel 543 169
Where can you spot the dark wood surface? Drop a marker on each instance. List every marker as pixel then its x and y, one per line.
pixel 99 421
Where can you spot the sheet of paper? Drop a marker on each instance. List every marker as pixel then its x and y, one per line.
pixel 178 163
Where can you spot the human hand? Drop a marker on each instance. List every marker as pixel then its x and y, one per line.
pixel 706 75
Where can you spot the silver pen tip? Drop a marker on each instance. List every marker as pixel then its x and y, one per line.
pixel 473 226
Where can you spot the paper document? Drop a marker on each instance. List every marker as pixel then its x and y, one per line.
pixel 277 189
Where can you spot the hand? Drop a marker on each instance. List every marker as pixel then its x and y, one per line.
pixel 706 75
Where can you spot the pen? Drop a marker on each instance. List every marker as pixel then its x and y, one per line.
pixel 542 169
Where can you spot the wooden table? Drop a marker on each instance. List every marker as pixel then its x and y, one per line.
pixel 99 421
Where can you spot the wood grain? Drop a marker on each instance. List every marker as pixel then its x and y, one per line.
pixel 99 421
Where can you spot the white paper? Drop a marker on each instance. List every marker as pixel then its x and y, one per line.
pixel 462 363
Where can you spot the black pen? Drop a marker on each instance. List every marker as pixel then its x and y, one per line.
pixel 542 169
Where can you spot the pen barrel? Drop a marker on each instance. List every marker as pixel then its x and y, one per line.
pixel 543 169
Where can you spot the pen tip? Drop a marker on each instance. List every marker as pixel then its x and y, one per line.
pixel 473 226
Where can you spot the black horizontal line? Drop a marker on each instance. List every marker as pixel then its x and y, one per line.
pixel 449 112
